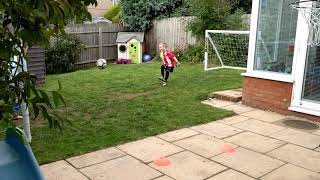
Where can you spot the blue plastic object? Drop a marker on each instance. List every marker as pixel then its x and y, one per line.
pixel 147 58
pixel 17 161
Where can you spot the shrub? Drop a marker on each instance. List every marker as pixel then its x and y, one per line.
pixel 138 14
pixel 190 54
pixel 214 14
pixel 64 53
pixel 113 14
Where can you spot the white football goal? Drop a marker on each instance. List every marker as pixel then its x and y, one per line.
pixel 226 49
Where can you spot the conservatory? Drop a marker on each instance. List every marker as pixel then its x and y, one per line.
pixel 283 71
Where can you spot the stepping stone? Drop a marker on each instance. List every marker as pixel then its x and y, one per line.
pixel 188 166
pixel 95 157
pixel 233 120
pixel 164 178
pixel 259 127
pixel 291 172
pixel 204 145
pixel 61 170
pixel 178 134
pixel 228 95
pixel 264 115
pixel 299 138
pixel 238 109
pixel 150 149
pixel 120 169
pixel 255 142
pixel 217 130
pixel 231 175
pixel 217 103
pixel 299 156
pixel 249 162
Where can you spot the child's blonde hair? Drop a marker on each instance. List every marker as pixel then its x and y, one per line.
pixel 163 44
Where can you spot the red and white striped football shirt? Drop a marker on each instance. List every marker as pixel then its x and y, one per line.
pixel 168 58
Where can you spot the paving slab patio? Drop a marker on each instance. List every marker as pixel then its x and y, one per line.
pixel 150 149
pixel 264 115
pixel 189 166
pixel 178 134
pixel 61 170
pixel 317 132
pixel 204 145
pixel 164 178
pixel 255 142
pixel 299 156
pixel 217 130
pixel 231 175
pixel 249 162
pixel 259 127
pixel 233 120
pixel 262 150
pixel 299 138
pixel 291 172
pixel 120 169
pixel 95 157
pixel 238 109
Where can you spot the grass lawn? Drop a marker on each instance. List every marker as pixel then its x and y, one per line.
pixel 125 103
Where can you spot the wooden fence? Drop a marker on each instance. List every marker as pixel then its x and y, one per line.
pixel 172 31
pixel 99 39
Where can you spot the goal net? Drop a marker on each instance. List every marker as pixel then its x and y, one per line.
pixel 226 49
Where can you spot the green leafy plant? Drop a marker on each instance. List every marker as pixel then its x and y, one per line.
pixel 63 54
pixel 215 15
pixel 190 54
pixel 26 23
pixel 138 14
pixel 114 14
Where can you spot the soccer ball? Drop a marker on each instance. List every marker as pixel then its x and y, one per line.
pixel 101 63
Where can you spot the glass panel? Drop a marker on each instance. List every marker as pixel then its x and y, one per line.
pixel 276 33
pixel 311 87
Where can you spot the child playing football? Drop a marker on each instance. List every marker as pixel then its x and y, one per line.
pixel 169 61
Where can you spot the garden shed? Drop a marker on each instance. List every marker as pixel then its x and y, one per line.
pixel 130 46
pixel 37 66
pixel 283 71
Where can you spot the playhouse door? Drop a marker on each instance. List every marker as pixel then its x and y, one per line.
pixel 134 52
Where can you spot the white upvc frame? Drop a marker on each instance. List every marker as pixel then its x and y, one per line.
pixel 208 38
pixel 298 65
pixel 297 103
pixel 252 51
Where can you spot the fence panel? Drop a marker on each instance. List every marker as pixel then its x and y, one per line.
pixel 172 31
pixel 99 40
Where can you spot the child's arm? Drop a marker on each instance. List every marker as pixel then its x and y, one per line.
pixel 176 60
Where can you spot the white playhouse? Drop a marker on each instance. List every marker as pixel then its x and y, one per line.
pixel 130 46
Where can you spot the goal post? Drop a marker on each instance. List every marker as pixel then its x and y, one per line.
pixel 226 49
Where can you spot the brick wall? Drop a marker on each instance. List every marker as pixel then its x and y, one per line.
pixel 270 95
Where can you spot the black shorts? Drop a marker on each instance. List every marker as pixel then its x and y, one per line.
pixel 170 69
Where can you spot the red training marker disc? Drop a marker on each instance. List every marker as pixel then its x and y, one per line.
pixel 162 162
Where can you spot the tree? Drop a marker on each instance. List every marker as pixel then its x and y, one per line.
pixel 245 5
pixel 25 23
pixel 138 14
pixel 213 14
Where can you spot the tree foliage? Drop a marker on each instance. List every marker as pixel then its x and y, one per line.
pixel 27 23
pixel 215 14
pixel 114 14
pixel 138 14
